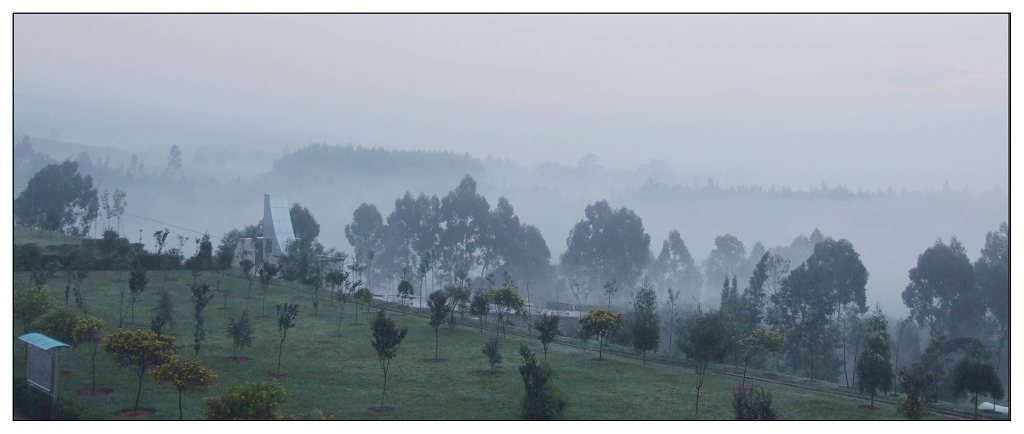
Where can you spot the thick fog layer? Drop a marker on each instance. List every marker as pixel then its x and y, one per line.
pixel 889 131
pixel 862 100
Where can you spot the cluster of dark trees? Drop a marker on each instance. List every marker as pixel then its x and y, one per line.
pixel 812 291
pixel 58 198
pixel 805 304
pixel 439 238
pixel 963 303
pixel 115 253
pixel 818 316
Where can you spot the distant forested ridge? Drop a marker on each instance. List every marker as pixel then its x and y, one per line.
pixel 333 159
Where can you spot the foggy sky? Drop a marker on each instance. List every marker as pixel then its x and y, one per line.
pixel 863 100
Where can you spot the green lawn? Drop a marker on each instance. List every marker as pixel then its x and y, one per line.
pixel 341 377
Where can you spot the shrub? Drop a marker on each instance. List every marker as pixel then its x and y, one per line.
pixel 31 303
pixel 492 349
pixel 250 401
pixel 27 256
pixel 547 329
pixel 241 333
pixel 543 401
pixel 58 323
pixel 33 404
pixel 918 385
pixel 751 403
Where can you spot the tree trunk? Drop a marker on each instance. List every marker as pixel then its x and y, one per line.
pixel 896 360
pixel 180 412
pixel 845 374
pixel 671 322
pixel 702 369
pixel 120 310
pixel 94 346
pixel 872 405
pixel 280 348
pixel 340 312
pixel 435 346
pixel 975 406
pixel 385 388
pixel 856 356
pixel 138 392
pixel 746 360
pixel 696 405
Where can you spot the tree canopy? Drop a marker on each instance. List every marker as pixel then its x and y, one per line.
pixel 674 267
pixel 58 198
pixel 992 274
pixel 725 260
pixel 833 276
pixel 607 245
pixel 303 222
pixel 942 292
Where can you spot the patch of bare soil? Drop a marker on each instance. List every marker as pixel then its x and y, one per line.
pixel 100 391
pixel 233 358
pixel 380 410
pixel 142 412
pixel 276 376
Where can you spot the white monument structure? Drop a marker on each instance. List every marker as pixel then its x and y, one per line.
pixel 277 225
pixel 277 233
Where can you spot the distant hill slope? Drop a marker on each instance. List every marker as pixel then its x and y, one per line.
pixel 41 237
pixel 344 160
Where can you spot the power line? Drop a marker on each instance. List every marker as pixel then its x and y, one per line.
pixel 174 225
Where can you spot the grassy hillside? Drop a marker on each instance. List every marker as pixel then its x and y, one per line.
pixel 42 237
pixel 341 377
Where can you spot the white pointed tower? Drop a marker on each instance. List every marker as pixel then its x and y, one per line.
pixel 277 222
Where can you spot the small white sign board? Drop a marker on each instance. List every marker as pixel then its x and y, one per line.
pixel 43 368
pixel 40 371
